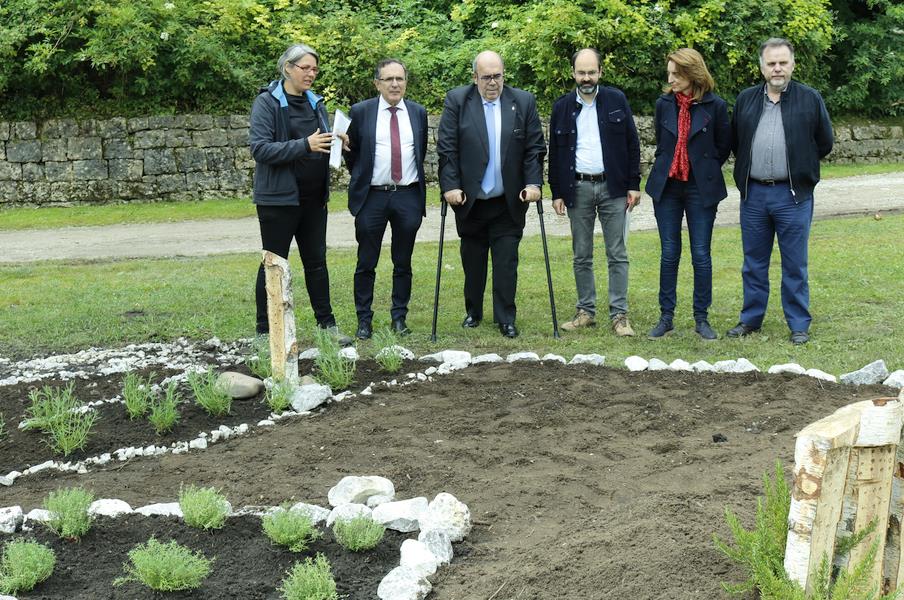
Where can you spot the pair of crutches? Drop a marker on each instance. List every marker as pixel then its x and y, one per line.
pixel 439 267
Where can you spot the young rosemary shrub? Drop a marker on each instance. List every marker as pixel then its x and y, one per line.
pixel 137 395
pixel 208 394
pixel 70 431
pixel 290 528
pixel 48 404
pixel 258 362
pixel 164 412
pixel 279 396
pixel 166 567
pixel 24 565
pixel 390 355
pixel 310 580
pixel 358 534
pixel 333 369
pixel 203 507
pixel 68 510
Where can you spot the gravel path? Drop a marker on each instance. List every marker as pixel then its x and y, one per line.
pixel 844 196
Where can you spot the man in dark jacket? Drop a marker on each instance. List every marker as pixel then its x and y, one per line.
pixel 780 131
pixel 594 171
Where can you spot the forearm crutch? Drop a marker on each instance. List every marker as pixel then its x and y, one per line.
pixel 444 206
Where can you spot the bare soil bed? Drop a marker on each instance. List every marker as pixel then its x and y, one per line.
pixel 583 482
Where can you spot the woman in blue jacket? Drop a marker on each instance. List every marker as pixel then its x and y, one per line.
pixel 290 142
pixel 693 141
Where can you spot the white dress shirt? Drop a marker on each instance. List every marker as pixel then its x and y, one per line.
pixel 382 149
pixel 589 153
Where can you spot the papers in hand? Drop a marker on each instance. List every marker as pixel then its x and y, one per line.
pixel 340 125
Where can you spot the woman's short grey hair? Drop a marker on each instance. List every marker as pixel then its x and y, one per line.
pixel 294 53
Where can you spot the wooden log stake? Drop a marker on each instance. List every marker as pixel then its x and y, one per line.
pixel 281 316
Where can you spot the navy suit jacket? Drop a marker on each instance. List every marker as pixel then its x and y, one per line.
pixel 362 135
pixel 618 136
pixel 708 146
pixel 463 146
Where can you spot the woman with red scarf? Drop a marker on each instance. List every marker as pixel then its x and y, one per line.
pixel 693 140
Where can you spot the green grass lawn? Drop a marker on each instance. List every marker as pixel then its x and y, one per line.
pixel 855 275
pixel 235 208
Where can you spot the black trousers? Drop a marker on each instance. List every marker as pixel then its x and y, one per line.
pixel 490 229
pixel 305 223
pixel 403 210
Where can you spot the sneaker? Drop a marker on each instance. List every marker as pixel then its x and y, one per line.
pixel 581 319
pixel 621 326
pixel 704 330
pixel 741 330
pixel 342 340
pixel 662 329
pixel 799 338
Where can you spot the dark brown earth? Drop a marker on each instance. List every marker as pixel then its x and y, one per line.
pixel 583 482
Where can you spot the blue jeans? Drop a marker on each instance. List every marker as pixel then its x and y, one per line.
pixel 771 211
pixel 682 199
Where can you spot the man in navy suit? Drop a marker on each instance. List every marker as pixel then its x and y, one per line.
pixel 594 170
pixel 490 146
pixel 388 141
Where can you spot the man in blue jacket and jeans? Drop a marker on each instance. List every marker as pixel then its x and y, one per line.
pixel 780 131
pixel 594 171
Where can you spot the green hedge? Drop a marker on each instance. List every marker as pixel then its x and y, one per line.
pixel 119 57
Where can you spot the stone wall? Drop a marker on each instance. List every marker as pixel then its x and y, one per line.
pixel 201 156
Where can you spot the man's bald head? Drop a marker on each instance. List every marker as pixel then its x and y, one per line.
pixel 488 74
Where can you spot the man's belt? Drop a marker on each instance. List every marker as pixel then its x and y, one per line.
pixel 598 178
pixel 769 181
pixel 392 187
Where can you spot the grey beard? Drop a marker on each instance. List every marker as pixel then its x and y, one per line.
pixel 587 88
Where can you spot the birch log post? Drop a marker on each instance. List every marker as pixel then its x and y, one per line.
pixel 281 316
pixel 844 471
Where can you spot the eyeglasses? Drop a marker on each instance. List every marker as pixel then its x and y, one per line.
pixel 398 80
pixel 488 78
pixel 306 68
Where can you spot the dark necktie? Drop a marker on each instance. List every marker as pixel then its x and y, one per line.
pixel 395 147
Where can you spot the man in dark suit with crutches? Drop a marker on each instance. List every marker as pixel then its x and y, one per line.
pixel 388 141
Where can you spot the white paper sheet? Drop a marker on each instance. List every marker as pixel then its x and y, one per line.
pixel 340 125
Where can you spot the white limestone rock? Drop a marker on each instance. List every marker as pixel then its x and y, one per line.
pixel 109 507
pixel 11 519
pixel 553 358
pixel 701 366
pixel 522 356
pixel 266 423
pixel 47 464
pixel 636 363
pixel 238 385
pixel 486 358
pixel 875 372
pixel 417 556
pixel 742 365
pixel 657 364
pixel 588 359
pixel 403 583
pixel 356 490
pixel 793 368
pixel 817 374
pixel 375 501
pixel 895 380
pixel 725 366
pixel 403 515
pixel 349 352
pixel 447 367
pixel 10 478
pixel 198 443
pixel 438 543
pixel 163 509
pixel 347 512
pixel 309 354
pixel 680 364
pixel 402 351
pixel 309 397
pixel 37 515
pixel 317 514
pixel 447 514
pixel 449 356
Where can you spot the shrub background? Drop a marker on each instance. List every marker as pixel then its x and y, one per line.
pixel 121 58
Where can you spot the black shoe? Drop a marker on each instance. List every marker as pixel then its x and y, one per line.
pixel 799 338
pixel 741 330
pixel 471 322
pixel 662 329
pixel 364 332
pixel 399 327
pixel 508 330
pixel 704 330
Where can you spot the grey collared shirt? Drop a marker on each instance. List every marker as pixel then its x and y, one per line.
pixel 768 155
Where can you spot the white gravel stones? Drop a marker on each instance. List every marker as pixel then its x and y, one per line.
pixel 198 443
pixel 447 367
pixel 792 368
pixel 356 490
pixel 403 583
pixel 875 372
pixel 636 363
pixel 445 513
pixel 553 358
pixel 487 358
pixel 308 397
pixel 680 364
pixel 817 374
pixel 238 385
pixel 11 519
pixel 701 366
pixel 449 356
pixel 403 515
pixel 418 557
pixel 163 509
pixel 588 359
pixel 438 543
pixel 317 514
pixel 347 512
pixel 402 351
pixel 657 364
pixel 109 507
pixel 895 380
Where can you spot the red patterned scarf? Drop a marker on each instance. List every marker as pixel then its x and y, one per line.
pixel 681 168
